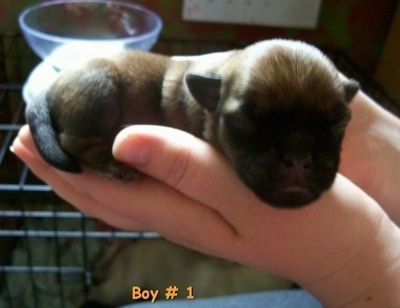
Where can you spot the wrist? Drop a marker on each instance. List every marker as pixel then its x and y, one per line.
pixel 362 258
pixel 342 249
pixel 370 279
pixel 371 153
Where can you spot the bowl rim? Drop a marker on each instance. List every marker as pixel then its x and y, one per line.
pixel 59 39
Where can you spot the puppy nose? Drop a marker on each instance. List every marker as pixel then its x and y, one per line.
pixel 297 163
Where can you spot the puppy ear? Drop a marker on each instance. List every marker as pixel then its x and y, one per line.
pixel 350 89
pixel 205 89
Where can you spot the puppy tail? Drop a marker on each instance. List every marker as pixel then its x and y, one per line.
pixel 38 117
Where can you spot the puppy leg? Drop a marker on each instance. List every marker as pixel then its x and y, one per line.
pixel 86 108
pixel 95 154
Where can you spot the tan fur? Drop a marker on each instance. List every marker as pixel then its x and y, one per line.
pixel 89 105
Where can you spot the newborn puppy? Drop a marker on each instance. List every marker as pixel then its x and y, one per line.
pixel 276 109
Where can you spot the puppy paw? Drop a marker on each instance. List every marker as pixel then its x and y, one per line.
pixel 121 172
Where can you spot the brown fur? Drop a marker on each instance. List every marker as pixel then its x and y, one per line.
pixel 231 99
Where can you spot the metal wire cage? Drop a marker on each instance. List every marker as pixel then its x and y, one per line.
pixel 48 248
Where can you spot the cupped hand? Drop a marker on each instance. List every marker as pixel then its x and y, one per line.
pixel 190 195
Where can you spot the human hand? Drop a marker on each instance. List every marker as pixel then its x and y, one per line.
pixel 371 153
pixel 192 197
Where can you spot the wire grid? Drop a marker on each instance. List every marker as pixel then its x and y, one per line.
pixel 31 214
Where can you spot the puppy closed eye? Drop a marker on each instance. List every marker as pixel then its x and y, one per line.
pixel 339 123
pixel 240 124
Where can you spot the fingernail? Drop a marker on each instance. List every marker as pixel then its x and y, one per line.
pixel 131 150
pixel 11 147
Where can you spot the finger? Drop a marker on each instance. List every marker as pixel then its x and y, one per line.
pixel 186 163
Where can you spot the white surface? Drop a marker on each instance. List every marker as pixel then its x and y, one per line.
pixel 278 13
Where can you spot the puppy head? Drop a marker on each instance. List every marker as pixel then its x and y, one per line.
pixel 279 113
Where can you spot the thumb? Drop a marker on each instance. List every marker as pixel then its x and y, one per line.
pixel 182 161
